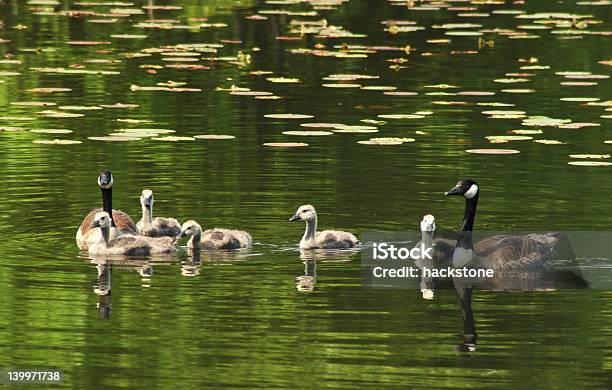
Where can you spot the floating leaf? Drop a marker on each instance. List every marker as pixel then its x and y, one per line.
pixel 308 133
pixel 288 116
pixel 173 138
pixel 493 151
pixel 285 144
pixel 33 104
pixel 341 85
pixel 591 163
pixel 48 90
pixel 509 138
pixel 582 156
pixel 322 125
pixel 526 132
pixel 51 131
pixel 386 141
pixel 401 116
pixel 112 138
pixel 57 142
pixel 579 99
pixel 283 80
pixel 213 136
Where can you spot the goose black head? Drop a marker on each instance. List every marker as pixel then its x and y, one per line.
pixel 105 180
pixel 146 199
pixel 466 187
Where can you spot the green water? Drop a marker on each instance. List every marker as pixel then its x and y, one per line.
pixel 244 319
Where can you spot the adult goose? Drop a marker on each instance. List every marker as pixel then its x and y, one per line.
pixel 326 239
pixel 158 227
pixel 121 223
pixel 501 251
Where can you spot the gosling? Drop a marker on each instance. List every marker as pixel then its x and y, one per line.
pixel 327 239
pixel 158 227
pixel 126 244
pixel 214 238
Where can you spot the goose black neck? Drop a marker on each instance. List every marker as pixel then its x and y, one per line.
pixel 469 214
pixel 107 203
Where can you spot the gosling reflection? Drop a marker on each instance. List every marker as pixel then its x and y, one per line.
pixel 310 257
pixel 306 282
pixel 102 288
pixel 191 266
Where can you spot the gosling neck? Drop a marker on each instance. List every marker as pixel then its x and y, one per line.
pixel 147 216
pixel 311 229
pixel 107 202
pixel 194 241
pixel 427 238
pixel 105 235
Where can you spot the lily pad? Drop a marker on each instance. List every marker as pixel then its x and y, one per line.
pixel 308 133
pixel 549 142
pixel 285 144
pixel 213 136
pixel 591 163
pixel 57 142
pixel 401 116
pixel 112 138
pixel 386 141
pixel 51 131
pixel 583 156
pixel 493 151
pixel 288 116
pixel 173 138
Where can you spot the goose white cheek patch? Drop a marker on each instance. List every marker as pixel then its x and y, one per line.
pixel 471 192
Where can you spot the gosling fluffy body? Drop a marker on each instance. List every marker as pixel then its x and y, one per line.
pixel 214 238
pixel 155 227
pixel 127 244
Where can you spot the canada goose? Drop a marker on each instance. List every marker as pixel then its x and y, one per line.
pixel 121 223
pixel 214 238
pixel 126 244
pixel 501 251
pixel 327 239
pixel 158 227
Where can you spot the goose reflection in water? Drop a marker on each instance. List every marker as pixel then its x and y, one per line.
pixel 306 282
pixel 555 269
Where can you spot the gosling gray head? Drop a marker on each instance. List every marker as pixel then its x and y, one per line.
pixel 304 213
pixel 146 199
pixel 466 187
pixel 190 228
pixel 105 179
pixel 102 220
pixel 428 224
